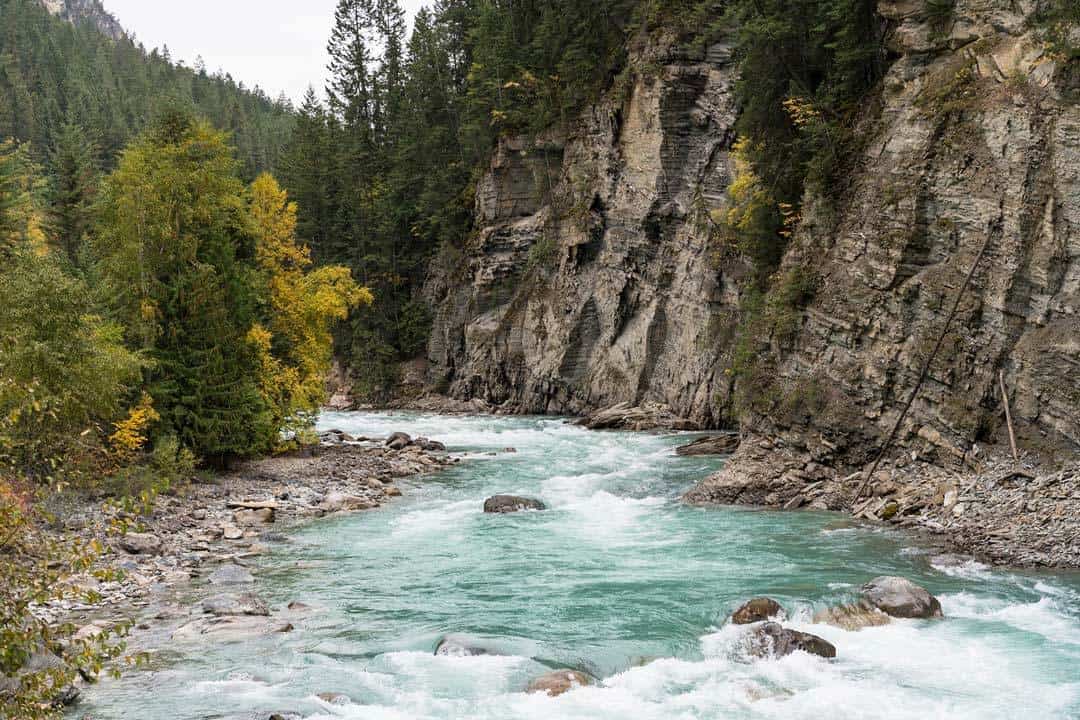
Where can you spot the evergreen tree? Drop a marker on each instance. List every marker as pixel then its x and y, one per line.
pixel 173 247
pixel 73 188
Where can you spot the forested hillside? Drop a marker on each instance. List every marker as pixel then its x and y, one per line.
pixel 56 73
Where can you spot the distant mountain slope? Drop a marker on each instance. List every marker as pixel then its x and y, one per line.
pixel 92 11
pixel 67 61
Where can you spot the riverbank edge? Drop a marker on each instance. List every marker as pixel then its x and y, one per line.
pixel 171 556
pixel 1001 512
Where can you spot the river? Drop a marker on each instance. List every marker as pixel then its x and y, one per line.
pixel 616 578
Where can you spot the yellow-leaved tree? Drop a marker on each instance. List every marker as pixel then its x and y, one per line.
pixel 294 339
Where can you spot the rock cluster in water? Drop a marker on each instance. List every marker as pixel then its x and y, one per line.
pixel 881 599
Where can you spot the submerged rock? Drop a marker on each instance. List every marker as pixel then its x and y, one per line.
pixel 854 616
pixel 773 640
pixel 901 598
pixel 236 604
pixel 757 610
pixel 511 503
pixel 558 682
pixel 712 445
pixel 462 646
pixel 334 698
pixel 231 574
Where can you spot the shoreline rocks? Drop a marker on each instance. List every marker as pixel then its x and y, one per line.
pixel 649 416
pixel 712 445
pixel 1002 512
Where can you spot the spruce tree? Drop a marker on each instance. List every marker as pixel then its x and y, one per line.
pixel 73 188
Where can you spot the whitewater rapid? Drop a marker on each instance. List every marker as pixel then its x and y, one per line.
pixel 619 579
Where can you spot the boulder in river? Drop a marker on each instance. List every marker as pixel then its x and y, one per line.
pixel 236 604
pixel 901 598
pixel 757 610
pixel 558 682
pixel 231 574
pixel 141 543
pixel 773 640
pixel 712 445
pixel 854 616
pixel 511 503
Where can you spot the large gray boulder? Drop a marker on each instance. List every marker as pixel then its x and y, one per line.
pixel 901 598
pixel 398 441
pixel 511 503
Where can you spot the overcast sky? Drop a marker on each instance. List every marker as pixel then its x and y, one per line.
pixel 279 45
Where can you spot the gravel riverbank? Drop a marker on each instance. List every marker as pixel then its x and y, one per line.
pixel 200 540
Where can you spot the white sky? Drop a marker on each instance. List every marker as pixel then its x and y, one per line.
pixel 279 45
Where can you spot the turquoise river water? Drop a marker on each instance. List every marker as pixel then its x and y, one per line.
pixel 619 579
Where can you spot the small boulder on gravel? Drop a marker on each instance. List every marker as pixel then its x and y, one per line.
pixel 236 604
pixel 901 598
pixel 231 574
pixel 558 682
pixel 254 516
pixel 773 640
pixel 757 610
pixel 511 503
pixel 141 543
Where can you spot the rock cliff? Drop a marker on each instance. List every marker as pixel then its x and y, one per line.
pixel 589 282
pixel 593 281
pixel 92 11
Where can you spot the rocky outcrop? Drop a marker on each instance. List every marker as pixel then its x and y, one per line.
pixel 711 445
pixel 590 282
pixel 86 11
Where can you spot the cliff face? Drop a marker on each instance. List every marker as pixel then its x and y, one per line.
pixel 976 150
pixel 92 11
pixel 592 280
